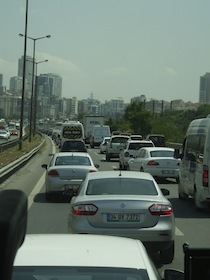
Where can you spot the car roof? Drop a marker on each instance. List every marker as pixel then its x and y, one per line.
pixel 139 141
pixel 120 136
pixel 120 174
pixel 81 250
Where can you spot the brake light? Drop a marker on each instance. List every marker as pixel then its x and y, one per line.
pixel 92 170
pixel 160 209
pixel 205 176
pixel 84 209
pixel 53 172
pixel 152 162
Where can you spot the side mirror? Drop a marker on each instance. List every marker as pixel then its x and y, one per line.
pixel 44 166
pixel 165 192
pixel 96 165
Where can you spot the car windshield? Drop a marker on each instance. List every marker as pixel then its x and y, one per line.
pixel 78 273
pixel 162 154
pixel 72 160
pixel 121 186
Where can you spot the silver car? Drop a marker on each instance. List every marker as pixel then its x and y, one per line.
pixel 115 146
pixel 66 171
pixel 127 204
pixel 158 161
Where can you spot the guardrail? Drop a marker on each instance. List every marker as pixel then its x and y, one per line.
pixel 9 169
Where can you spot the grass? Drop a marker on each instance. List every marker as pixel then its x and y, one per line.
pixel 14 153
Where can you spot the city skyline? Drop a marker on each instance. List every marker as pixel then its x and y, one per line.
pixel 113 49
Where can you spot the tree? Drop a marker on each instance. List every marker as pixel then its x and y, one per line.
pixel 140 119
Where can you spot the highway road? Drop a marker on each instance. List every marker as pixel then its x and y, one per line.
pixel 51 217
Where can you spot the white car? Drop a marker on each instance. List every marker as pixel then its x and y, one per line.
pixel 4 134
pixel 158 161
pixel 84 257
pixel 66 171
pixel 131 150
pixel 103 144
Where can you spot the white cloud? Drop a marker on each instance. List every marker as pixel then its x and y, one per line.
pixel 170 72
pixel 59 65
pixel 116 71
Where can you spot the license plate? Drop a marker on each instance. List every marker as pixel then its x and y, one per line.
pixel 123 217
pixel 71 187
pixel 168 172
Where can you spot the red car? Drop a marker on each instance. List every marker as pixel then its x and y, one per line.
pixel 14 132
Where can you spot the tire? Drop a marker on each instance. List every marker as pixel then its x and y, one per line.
pixel 108 157
pixel 49 196
pixel 167 256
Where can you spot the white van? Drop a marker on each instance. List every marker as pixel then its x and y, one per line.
pixel 72 130
pixel 98 134
pixel 195 161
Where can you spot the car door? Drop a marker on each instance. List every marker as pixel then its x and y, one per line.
pixel 136 162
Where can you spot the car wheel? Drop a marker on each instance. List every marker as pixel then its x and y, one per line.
pixel 108 157
pixel 49 196
pixel 167 256
pixel 177 180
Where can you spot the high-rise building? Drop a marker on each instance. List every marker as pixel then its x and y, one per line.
pixel 51 85
pixel 204 92
pixel 28 66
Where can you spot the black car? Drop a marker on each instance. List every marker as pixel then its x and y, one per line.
pixel 73 146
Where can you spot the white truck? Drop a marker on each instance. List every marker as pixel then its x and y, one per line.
pixel 89 122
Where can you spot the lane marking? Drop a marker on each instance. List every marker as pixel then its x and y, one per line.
pixel 36 190
pixel 39 184
pixel 178 232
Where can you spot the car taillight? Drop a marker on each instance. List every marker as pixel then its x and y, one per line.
pixel 152 162
pixel 205 176
pixel 160 209
pixel 92 170
pixel 84 209
pixel 53 172
pixel 126 154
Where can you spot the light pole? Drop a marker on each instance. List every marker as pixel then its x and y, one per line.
pixel 35 96
pixel 23 86
pixel 32 92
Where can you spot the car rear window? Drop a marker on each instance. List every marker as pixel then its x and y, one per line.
pixel 72 160
pixel 162 154
pixel 136 146
pixel 121 186
pixel 119 139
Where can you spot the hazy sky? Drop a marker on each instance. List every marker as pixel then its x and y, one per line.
pixel 112 48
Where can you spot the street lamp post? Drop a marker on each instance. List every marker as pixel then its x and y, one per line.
pixel 23 85
pixel 35 96
pixel 32 92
